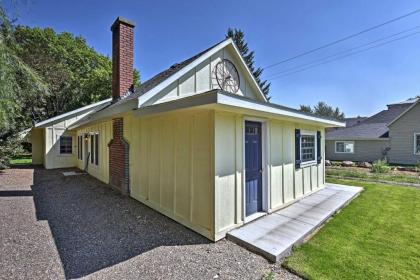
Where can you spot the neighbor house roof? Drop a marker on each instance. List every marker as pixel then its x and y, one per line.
pixel 417 101
pixel 371 128
pixel 353 121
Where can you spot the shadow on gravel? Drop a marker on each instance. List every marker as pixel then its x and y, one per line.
pixel 94 227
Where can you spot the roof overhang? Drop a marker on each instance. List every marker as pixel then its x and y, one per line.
pixel 105 113
pixel 72 114
pixel 217 99
pixel 356 139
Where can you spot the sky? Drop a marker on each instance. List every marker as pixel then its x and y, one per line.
pixel 171 31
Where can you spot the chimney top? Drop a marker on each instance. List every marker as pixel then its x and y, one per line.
pixel 121 20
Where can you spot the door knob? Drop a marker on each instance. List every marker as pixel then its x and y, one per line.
pixel 261 171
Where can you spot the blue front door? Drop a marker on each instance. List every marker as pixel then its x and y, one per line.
pixel 253 168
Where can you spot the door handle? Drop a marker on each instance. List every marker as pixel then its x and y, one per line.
pixel 261 171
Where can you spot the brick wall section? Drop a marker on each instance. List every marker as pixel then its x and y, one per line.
pixel 119 158
pixel 122 57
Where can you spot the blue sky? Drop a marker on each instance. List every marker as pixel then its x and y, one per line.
pixel 171 31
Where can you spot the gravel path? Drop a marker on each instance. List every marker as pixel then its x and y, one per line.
pixel 56 227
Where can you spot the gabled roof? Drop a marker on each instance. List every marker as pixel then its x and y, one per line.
pixel 157 83
pixel 62 117
pixel 363 131
pixel 145 94
pixel 417 101
pixel 372 128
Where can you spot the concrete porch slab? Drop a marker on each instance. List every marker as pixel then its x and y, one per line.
pixel 274 235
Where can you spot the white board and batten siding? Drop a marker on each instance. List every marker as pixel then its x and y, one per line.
pixel 172 166
pixel 104 129
pixel 52 157
pixel 283 183
pixel 201 79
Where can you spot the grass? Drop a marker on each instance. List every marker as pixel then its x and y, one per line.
pixel 375 237
pixel 347 172
pixel 23 159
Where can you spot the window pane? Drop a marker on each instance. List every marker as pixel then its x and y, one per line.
pixel 340 147
pixel 65 144
pixel 96 149
pixel 307 145
pixel 349 147
pixel 92 154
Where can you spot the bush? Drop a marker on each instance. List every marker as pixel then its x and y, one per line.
pixel 418 167
pixel 380 166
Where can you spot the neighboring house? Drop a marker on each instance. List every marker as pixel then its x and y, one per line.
pixel 391 134
pixel 198 142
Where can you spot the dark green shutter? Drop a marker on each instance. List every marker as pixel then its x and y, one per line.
pixel 318 147
pixel 297 148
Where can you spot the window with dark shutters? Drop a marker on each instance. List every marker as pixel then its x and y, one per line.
pixel 318 147
pixel 297 148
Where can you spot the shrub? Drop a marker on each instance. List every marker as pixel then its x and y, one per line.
pixel 380 166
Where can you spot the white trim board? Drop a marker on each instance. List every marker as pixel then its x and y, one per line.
pixel 217 97
pixel 142 99
pixel 71 113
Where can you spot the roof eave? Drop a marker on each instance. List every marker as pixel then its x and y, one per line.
pixel 215 97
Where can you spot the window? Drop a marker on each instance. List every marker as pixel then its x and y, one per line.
pixel 92 151
pixel 307 148
pixel 344 147
pixel 417 143
pixel 94 148
pixel 80 147
pixel 65 144
pixel 97 149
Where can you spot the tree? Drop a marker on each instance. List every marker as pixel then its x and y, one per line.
pixel 324 110
pixel 238 37
pixel 75 73
pixel 44 74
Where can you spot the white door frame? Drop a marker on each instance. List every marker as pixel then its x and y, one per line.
pixel 265 167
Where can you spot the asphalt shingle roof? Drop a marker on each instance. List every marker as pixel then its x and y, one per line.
pixel 374 127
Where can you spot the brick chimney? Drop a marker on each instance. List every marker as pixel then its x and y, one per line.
pixel 122 57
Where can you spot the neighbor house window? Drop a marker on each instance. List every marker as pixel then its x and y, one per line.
pixel 65 144
pixel 417 143
pixel 344 147
pixel 308 148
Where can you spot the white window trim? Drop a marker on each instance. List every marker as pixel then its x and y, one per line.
pixel 312 162
pixel 335 147
pixel 415 143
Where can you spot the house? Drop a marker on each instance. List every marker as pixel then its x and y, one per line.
pixel 392 134
pixel 198 142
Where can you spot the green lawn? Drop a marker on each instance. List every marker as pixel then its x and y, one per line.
pixel 377 236
pixel 24 159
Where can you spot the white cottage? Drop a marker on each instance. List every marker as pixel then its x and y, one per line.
pixel 198 142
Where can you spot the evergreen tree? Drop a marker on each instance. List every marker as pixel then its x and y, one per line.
pixel 238 37
pixel 324 110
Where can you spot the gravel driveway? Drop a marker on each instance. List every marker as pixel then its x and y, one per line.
pixel 56 227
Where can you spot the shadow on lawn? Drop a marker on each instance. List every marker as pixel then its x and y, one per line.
pixel 94 227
